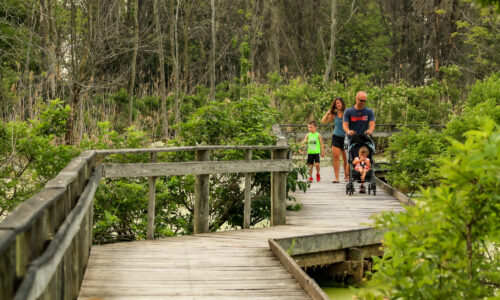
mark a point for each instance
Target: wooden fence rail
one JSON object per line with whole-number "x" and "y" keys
{"x": 45, "y": 242}
{"x": 27, "y": 232}
{"x": 298, "y": 131}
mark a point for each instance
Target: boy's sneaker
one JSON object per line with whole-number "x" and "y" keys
{"x": 318, "y": 178}
{"x": 362, "y": 189}
{"x": 310, "y": 179}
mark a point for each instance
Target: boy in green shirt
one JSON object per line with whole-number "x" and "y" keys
{"x": 314, "y": 149}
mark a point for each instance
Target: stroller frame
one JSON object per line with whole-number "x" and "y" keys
{"x": 352, "y": 145}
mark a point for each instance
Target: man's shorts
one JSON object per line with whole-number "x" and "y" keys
{"x": 312, "y": 158}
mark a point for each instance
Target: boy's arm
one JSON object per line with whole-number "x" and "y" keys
{"x": 322, "y": 146}
{"x": 368, "y": 164}
{"x": 305, "y": 139}
{"x": 303, "y": 142}
{"x": 355, "y": 161}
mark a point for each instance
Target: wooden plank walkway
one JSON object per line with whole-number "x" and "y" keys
{"x": 226, "y": 265}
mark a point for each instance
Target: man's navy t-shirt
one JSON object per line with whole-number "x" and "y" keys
{"x": 358, "y": 119}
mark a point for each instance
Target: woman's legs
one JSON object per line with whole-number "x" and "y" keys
{"x": 346, "y": 166}
{"x": 336, "y": 161}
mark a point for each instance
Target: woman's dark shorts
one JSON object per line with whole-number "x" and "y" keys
{"x": 312, "y": 158}
{"x": 338, "y": 141}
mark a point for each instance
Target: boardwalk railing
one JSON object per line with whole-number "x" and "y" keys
{"x": 45, "y": 242}
{"x": 382, "y": 130}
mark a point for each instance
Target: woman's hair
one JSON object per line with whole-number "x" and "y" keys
{"x": 364, "y": 150}
{"x": 333, "y": 109}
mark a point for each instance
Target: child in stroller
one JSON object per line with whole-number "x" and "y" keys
{"x": 360, "y": 163}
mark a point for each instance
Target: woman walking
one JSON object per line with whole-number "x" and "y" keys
{"x": 336, "y": 114}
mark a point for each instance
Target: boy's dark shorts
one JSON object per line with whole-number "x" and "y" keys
{"x": 312, "y": 158}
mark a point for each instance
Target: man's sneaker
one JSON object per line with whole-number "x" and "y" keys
{"x": 310, "y": 179}
{"x": 318, "y": 178}
{"x": 362, "y": 189}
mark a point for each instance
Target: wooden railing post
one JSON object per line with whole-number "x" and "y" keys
{"x": 201, "y": 196}
{"x": 150, "y": 231}
{"x": 278, "y": 192}
{"x": 248, "y": 187}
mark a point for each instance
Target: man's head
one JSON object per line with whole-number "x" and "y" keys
{"x": 312, "y": 126}
{"x": 360, "y": 99}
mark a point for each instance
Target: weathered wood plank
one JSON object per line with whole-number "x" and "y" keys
{"x": 42, "y": 269}
{"x": 203, "y": 264}
{"x": 306, "y": 282}
{"x": 201, "y": 195}
{"x": 7, "y": 262}
{"x": 331, "y": 241}
{"x": 278, "y": 191}
{"x": 395, "y": 193}
{"x": 248, "y": 187}
{"x": 327, "y": 134}
{"x": 150, "y": 230}
{"x": 30, "y": 210}
{"x": 101, "y": 153}
{"x": 196, "y": 168}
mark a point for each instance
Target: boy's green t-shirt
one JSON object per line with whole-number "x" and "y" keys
{"x": 313, "y": 144}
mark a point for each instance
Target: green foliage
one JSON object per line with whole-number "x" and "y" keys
{"x": 241, "y": 122}
{"x": 447, "y": 246}
{"x": 30, "y": 154}
{"x": 414, "y": 153}
{"x": 485, "y": 91}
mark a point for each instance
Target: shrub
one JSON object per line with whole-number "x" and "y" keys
{"x": 447, "y": 246}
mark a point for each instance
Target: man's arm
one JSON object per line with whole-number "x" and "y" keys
{"x": 345, "y": 125}
{"x": 371, "y": 128}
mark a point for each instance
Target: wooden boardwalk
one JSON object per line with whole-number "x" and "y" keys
{"x": 226, "y": 265}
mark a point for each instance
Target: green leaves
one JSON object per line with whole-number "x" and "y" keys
{"x": 30, "y": 156}
{"x": 447, "y": 246}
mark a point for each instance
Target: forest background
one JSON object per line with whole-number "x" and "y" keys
{"x": 88, "y": 74}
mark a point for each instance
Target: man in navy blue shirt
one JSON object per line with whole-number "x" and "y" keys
{"x": 359, "y": 119}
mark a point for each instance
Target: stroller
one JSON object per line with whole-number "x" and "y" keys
{"x": 352, "y": 145}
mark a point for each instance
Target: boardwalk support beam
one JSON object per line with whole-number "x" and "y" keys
{"x": 248, "y": 187}
{"x": 278, "y": 192}
{"x": 150, "y": 231}
{"x": 201, "y": 196}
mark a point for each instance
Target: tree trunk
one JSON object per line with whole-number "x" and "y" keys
{"x": 275, "y": 56}
{"x": 329, "y": 65}
{"x": 175, "y": 57}
{"x": 212, "y": 54}
{"x": 185, "y": 69}
{"x": 134, "y": 62}
{"x": 48, "y": 45}
{"x": 436, "y": 38}
{"x": 161, "y": 58}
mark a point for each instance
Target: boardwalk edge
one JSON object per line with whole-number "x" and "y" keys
{"x": 307, "y": 283}
{"x": 395, "y": 193}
